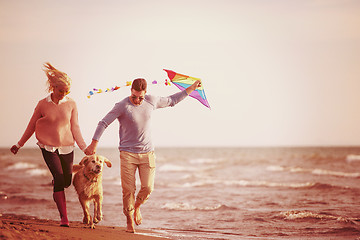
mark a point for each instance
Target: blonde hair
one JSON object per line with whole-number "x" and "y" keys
{"x": 55, "y": 77}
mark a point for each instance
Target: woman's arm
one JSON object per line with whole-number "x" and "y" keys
{"x": 30, "y": 129}
{"x": 75, "y": 129}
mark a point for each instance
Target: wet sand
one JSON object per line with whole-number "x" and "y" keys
{"x": 26, "y": 227}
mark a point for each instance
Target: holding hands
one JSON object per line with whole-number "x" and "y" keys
{"x": 91, "y": 149}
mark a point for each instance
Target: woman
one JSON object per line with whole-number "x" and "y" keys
{"x": 55, "y": 123}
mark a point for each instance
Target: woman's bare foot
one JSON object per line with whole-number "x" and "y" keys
{"x": 130, "y": 224}
{"x": 137, "y": 216}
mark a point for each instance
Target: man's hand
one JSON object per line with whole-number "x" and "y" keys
{"x": 195, "y": 85}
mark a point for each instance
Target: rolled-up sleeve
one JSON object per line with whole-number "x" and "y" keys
{"x": 172, "y": 100}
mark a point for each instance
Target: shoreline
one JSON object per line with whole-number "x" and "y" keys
{"x": 13, "y": 226}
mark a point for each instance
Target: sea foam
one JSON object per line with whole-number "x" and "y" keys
{"x": 181, "y": 206}
{"x": 38, "y": 172}
{"x": 294, "y": 214}
{"x": 352, "y": 158}
{"x": 315, "y": 171}
{"x": 29, "y": 168}
{"x": 243, "y": 183}
{"x": 175, "y": 168}
{"x": 21, "y": 165}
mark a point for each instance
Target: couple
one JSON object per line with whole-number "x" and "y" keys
{"x": 55, "y": 123}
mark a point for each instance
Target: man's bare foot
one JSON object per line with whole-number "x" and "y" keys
{"x": 130, "y": 224}
{"x": 137, "y": 216}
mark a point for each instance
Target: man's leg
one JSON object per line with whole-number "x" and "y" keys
{"x": 147, "y": 176}
{"x": 128, "y": 184}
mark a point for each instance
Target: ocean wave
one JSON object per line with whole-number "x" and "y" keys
{"x": 247, "y": 183}
{"x": 189, "y": 207}
{"x": 38, "y": 172}
{"x": 3, "y": 196}
{"x": 352, "y": 158}
{"x": 315, "y": 171}
{"x": 21, "y": 166}
{"x": 344, "y": 230}
{"x": 270, "y": 184}
{"x": 29, "y": 168}
{"x": 205, "y": 160}
{"x": 324, "y": 186}
{"x": 244, "y": 183}
{"x": 335, "y": 173}
{"x": 294, "y": 215}
{"x": 175, "y": 168}
{"x": 23, "y": 200}
{"x": 10, "y": 158}
{"x": 169, "y": 167}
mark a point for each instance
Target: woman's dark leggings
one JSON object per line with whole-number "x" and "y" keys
{"x": 60, "y": 166}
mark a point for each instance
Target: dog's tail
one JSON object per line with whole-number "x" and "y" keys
{"x": 77, "y": 167}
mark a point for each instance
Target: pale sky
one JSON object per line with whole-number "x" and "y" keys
{"x": 276, "y": 73}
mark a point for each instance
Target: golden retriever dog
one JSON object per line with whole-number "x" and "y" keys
{"x": 88, "y": 185}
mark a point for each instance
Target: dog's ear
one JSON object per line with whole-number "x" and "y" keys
{"x": 107, "y": 161}
{"x": 77, "y": 167}
{"x": 84, "y": 160}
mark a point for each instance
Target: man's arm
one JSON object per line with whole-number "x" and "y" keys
{"x": 192, "y": 88}
{"x": 102, "y": 125}
{"x": 170, "y": 101}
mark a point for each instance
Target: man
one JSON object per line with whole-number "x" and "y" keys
{"x": 136, "y": 147}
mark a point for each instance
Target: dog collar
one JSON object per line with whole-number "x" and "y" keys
{"x": 91, "y": 180}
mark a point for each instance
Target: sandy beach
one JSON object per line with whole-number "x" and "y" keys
{"x": 27, "y": 227}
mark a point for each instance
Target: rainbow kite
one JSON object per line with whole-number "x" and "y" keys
{"x": 183, "y": 82}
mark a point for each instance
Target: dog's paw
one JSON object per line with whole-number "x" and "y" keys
{"x": 92, "y": 226}
{"x": 97, "y": 219}
{"x": 86, "y": 220}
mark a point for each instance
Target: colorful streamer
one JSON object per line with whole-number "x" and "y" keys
{"x": 128, "y": 83}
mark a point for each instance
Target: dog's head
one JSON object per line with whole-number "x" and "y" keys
{"x": 94, "y": 163}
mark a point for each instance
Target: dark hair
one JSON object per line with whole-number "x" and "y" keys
{"x": 139, "y": 84}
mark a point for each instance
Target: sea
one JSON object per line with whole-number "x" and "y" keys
{"x": 212, "y": 193}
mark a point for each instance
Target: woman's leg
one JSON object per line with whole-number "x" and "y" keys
{"x": 54, "y": 164}
{"x": 67, "y": 165}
